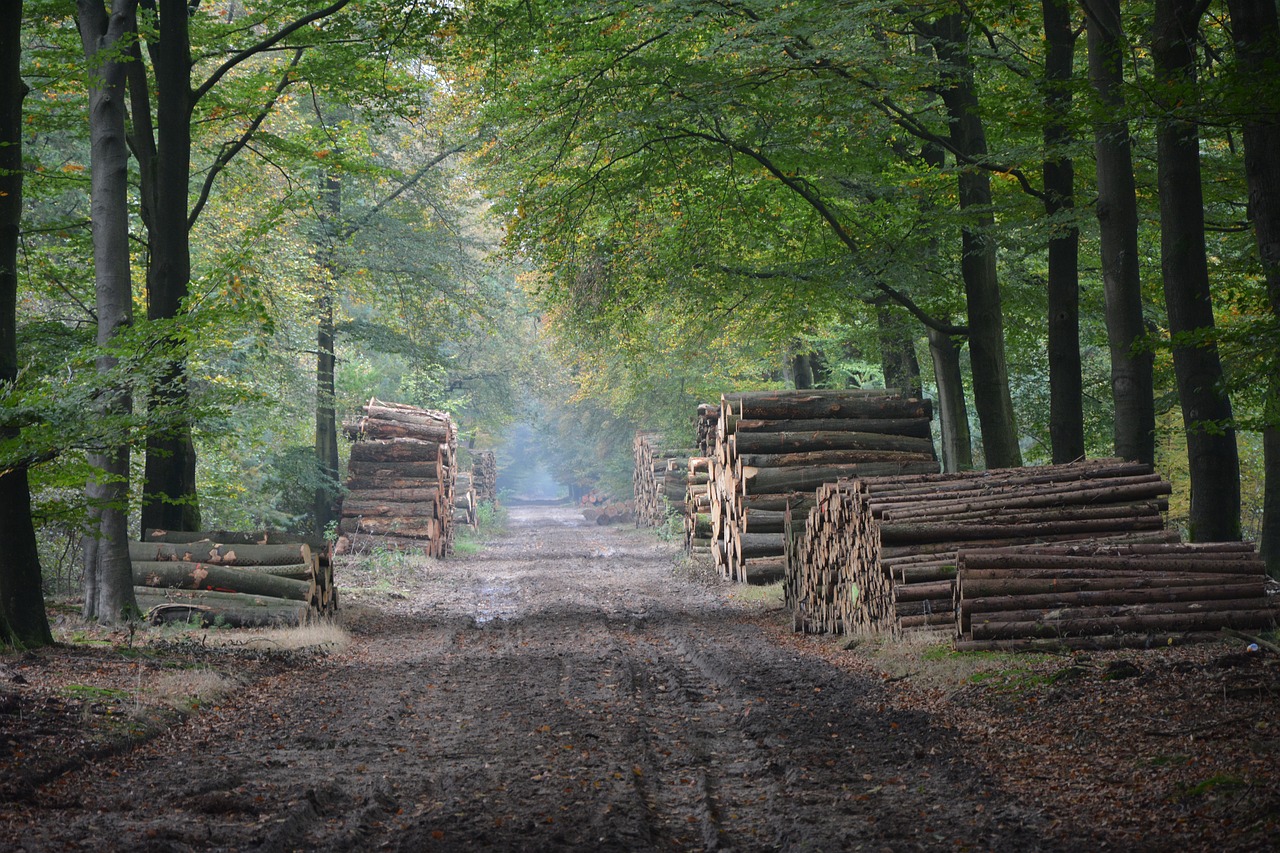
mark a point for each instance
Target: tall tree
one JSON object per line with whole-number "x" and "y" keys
{"x": 1132, "y": 366}
{"x": 23, "y": 622}
{"x": 1206, "y": 408}
{"x": 106, "y": 36}
{"x": 1066, "y": 406}
{"x": 1257, "y": 41}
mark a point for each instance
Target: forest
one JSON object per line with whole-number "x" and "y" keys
{"x": 226, "y": 225}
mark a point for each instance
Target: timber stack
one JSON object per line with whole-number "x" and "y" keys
{"x": 697, "y": 507}
{"x": 653, "y": 491}
{"x": 464, "y": 502}
{"x": 232, "y": 579}
{"x": 879, "y": 553}
{"x": 484, "y": 476}
{"x": 400, "y": 480}
{"x": 774, "y": 448}
{"x": 601, "y": 508}
{"x": 1108, "y": 596}
{"x": 705, "y": 424}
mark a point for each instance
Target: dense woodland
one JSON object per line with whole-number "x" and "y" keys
{"x": 225, "y": 225}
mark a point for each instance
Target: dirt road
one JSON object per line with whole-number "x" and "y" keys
{"x": 567, "y": 688}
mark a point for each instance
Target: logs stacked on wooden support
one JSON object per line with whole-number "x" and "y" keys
{"x": 880, "y": 553}
{"x": 774, "y": 448}
{"x": 653, "y": 491}
{"x": 1085, "y": 596}
{"x": 400, "y": 480}
{"x": 484, "y": 476}
{"x": 233, "y": 579}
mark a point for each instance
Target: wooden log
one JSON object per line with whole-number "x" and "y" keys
{"x": 295, "y": 571}
{"x": 235, "y": 537}
{"x": 220, "y": 554}
{"x": 816, "y": 458}
{"x": 395, "y": 450}
{"x": 363, "y": 484}
{"x": 761, "y": 571}
{"x": 390, "y": 469}
{"x": 213, "y": 608}
{"x": 207, "y": 576}
{"x": 408, "y": 495}
{"x": 408, "y": 528}
{"x": 900, "y": 534}
{"x": 797, "y": 442}
{"x": 917, "y": 427}
{"x": 1107, "y": 602}
{"x": 355, "y": 505}
{"x": 975, "y": 588}
{"x": 1109, "y": 641}
{"x": 781, "y": 405}
{"x": 1164, "y": 622}
{"x": 787, "y": 480}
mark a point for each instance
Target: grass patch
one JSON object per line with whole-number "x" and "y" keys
{"x": 768, "y": 594}
{"x": 188, "y": 690}
{"x": 94, "y": 693}
{"x": 321, "y": 636}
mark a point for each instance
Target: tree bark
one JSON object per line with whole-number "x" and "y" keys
{"x": 327, "y": 487}
{"x": 978, "y": 249}
{"x": 1206, "y": 408}
{"x": 1257, "y": 34}
{"x": 212, "y": 577}
{"x": 953, "y": 414}
{"x": 23, "y": 622}
{"x": 1132, "y": 381}
{"x": 898, "y": 351}
{"x": 1066, "y": 394}
{"x": 108, "y": 575}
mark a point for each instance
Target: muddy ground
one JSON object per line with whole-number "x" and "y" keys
{"x": 572, "y": 687}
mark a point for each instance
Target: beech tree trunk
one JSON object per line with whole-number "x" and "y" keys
{"x": 327, "y": 486}
{"x": 1206, "y": 408}
{"x": 1066, "y": 394}
{"x": 898, "y": 351}
{"x": 953, "y": 414}
{"x": 108, "y": 574}
{"x": 23, "y": 623}
{"x": 978, "y": 249}
{"x": 1257, "y": 34}
{"x": 1132, "y": 382}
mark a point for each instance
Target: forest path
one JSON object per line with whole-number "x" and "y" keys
{"x": 567, "y": 688}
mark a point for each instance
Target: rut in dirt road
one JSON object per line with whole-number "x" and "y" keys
{"x": 568, "y": 688}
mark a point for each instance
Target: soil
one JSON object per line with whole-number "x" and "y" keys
{"x": 574, "y": 687}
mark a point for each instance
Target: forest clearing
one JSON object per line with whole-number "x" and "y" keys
{"x": 576, "y": 687}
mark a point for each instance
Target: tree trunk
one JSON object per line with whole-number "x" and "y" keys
{"x": 1132, "y": 382}
{"x": 327, "y": 487}
{"x": 802, "y": 371}
{"x": 1066, "y": 407}
{"x": 1206, "y": 409}
{"x": 898, "y": 351}
{"x": 23, "y": 623}
{"x": 164, "y": 159}
{"x": 978, "y": 250}
{"x": 108, "y": 575}
{"x": 1257, "y": 33}
{"x": 953, "y": 414}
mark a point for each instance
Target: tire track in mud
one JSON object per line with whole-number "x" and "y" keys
{"x": 565, "y": 689}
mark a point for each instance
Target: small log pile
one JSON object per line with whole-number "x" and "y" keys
{"x": 654, "y": 493}
{"x": 484, "y": 476}
{"x": 697, "y": 507}
{"x": 708, "y": 417}
{"x": 464, "y": 502}
{"x": 1086, "y": 596}
{"x": 600, "y": 508}
{"x": 774, "y": 448}
{"x": 400, "y": 480}
{"x": 879, "y": 553}
{"x": 233, "y": 579}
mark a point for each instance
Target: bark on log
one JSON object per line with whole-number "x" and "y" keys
{"x": 212, "y": 608}
{"x": 357, "y": 506}
{"x": 799, "y": 442}
{"x": 914, "y": 427}
{"x": 395, "y": 450}
{"x": 785, "y": 406}
{"x": 220, "y": 554}
{"x": 206, "y": 576}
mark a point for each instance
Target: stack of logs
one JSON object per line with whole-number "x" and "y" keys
{"x": 697, "y": 507}
{"x": 1089, "y": 596}
{"x": 774, "y": 448}
{"x": 654, "y": 492}
{"x": 705, "y": 424}
{"x": 484, "y": 476}
{"x": 400, "y": 480}
{"x": 600, "y": 508}
{"x": 230, "y": 578}
{"x": 464, "y": 501}
{"x": 879, "y": 553}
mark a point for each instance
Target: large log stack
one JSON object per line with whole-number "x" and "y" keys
{"x": 400, "y": 480}
{"x": 879, "y": 553}
{"x": 233, "y": 579}
{"x": 774, "y": 448}
{"x": 708, "y": 417}
{"x": 1085, "y": 596}
{"x": 697, "y": 507}
{"x": 484, "y": 476}
{"x": 649, "y": 481}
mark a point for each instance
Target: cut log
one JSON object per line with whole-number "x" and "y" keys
{"x": 798, "y": 442}
{"x": 916, "y": 427}
{"x": 784, "y": 405}
{"x": 220, "y": 554}
{"x": 213, "y": 608}
{"x": 207, "y": 576}
{"x": 395, "y": 450}
{"x": 354, "y": 506}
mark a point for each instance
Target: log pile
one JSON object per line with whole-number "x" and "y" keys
{"x": 774, "y": 448}
{"x": 600, "y": 508}
{"x": 654, "y": 494}
{"x": 232, "y": 579}
{"x": 705, "y": 424}
{"x": 484, "y": 476}
{"x": 400, "y": 480}
{"x": 465, "y": 502}
{"x": 879, "y": 553}
{"x": 1085, "y": 596}
{"x": 697, "y": 507}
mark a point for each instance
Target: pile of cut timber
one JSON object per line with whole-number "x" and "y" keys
{"x": 708, "y": 417}
{"x": 234, "y": 579}
{"x": 1038, "y": 596}
{"x": 654, "y": 493}
{"x": 774, "y": 448}
{"x": 697, "y": 507}
{"x": 879, "y": 553}
{"x": 464, "y": 502}
{"x": 600, "y": 508}
{"x": 484, "y": 476}
{"x": 400, "y": 480}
